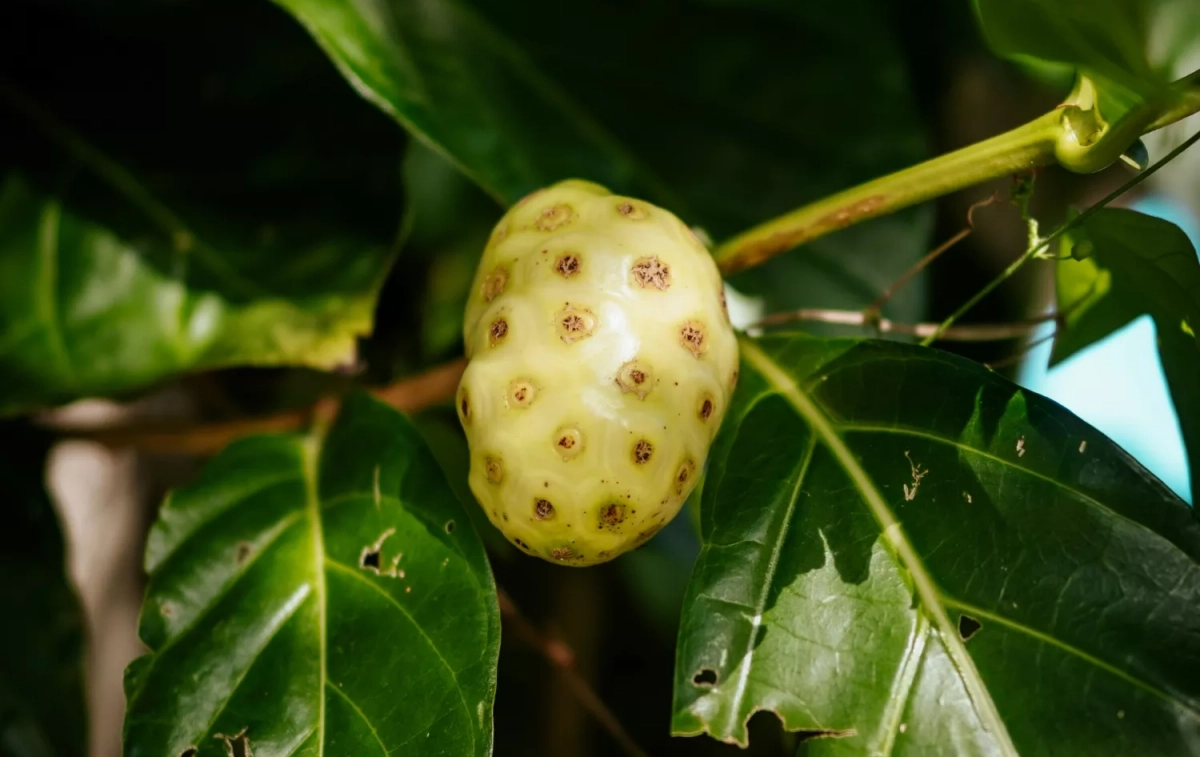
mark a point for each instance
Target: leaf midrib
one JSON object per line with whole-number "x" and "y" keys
{"x": 893, "y": 535}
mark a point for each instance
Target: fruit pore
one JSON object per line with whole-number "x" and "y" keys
{"x": 601, "y": 361}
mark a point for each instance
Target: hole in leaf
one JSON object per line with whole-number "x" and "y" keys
{"x": 189, "y": 752}
{"x": 968, "y": 627}
{"x": 705, "y": 678}
{"x": 370, "y": 560}
{"x": 449, "y": 526}
{"x": 237, "y": 745}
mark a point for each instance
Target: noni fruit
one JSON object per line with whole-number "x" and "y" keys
{"x": 601, "y": 360}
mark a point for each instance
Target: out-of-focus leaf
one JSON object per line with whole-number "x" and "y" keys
{"x": 41, "y": 638}
{"x": 725, "y": 114}
{"x": 317, "y": 594}
{"x": 165, "y": 209}
{"x": 1130, "y": 48}
{"x": 1121, "y": 264}
{"x": 909, "y": 555}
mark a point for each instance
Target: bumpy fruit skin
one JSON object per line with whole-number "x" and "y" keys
{"x": 601, "y": 360}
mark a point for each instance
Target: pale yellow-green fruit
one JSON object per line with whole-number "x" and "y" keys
{"x": 601, "y": 361}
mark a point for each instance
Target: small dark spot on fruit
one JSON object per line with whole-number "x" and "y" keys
{"x": 494, "y": 284}
{"x": 683, "y": 475}
{"x": 449, "y": 526}
{"x": 706, "y": 408}
{"x": 495, "y": 472}
{"x": 542, "y": 509}
{"x": 642, "y": 452}
{"x": 631, "y": 211}
{"x": 705, "y": 678}
{"x": 602, "y": 555}
{"x": 567, "y": 265}
{"x": 575, "y": 323}
{"x": 691, "y": 336}
{"x": 553, "y": 217}
{"x": 521, "y": 393}
{"x": 633, "y": 377}
{"x": 645, "y": 536}
{"x": 498, "y": 331}
{"x": 651, "y": 272}
{"x": 612, "y": 515}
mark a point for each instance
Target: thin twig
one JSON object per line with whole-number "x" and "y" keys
{"x": 1045, "y": 243}
{"x": 563, "y": 659}
{"x": 407, "y": 395}
{"x": 981, "y": 332}
{"x": 933, "y": 255}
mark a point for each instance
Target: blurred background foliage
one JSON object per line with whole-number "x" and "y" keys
{"x": 133, "y": 115}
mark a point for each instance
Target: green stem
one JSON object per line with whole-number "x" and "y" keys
{"x": 1033, "y": 250}
{"x": 1074, "y": 135}
{"x": 1021, "y": 149}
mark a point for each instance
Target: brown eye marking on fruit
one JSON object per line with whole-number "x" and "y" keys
{"x": 498, "y": 331}
{"x": 651, "y": 272}
{"x": 724, "y": 304}
{"x": 612, "y": 515}
{"x": 521, "y": 393}
{"x": 543, "y": 510}
{"x": 568, "y": 440}
{"x": 631, "y": 211}
{"x": 706, "y": 408}
{"x": 635, "y": 377}
{"x": 691, "y": 336}
{"x": 553, "y": 217}
{"x": 494, "y": 284}
{"x": 495, "y": 471}
{"x": 567, "y": 266}
{"x": 562, "y": 553}
{"x": 464, "y": 405}
{"x": 683, "y": 475}
{"x": 642, "y": 452}
{"x": 574, "y": 323}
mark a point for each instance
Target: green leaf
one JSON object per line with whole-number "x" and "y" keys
{"x": 41, "y": 639}
{"x": 1133, "y": 265}
{"x": 317, "y": 594}
{"x": 1129, "y": 47}
{"x": 909, "y": 555}
{"x": 725, "y": 115}
{"x": 196, "y": 213}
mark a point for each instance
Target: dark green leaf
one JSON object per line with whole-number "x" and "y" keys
{"x": 41, "y": 638}
{"x": 198, "y": 211}
{"x": 727, "y": 115}
{"x": 1136, "y": 265}
{"x": 317, "y": 594}
{"x": 1128, "y": 47}
{"x": 912, "y": 556}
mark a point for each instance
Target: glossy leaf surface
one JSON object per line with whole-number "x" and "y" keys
{"x": 910, "y": 555}
{"x": 197, "y": 212}
{"x": 1129, "y": 47}
{"x": 726, "y": 114}
{"x": 317, "y": 595}
{"x": 1127, "y": 264}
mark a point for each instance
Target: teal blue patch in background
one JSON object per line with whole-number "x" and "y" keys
{"x": 1117, "y": 384}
